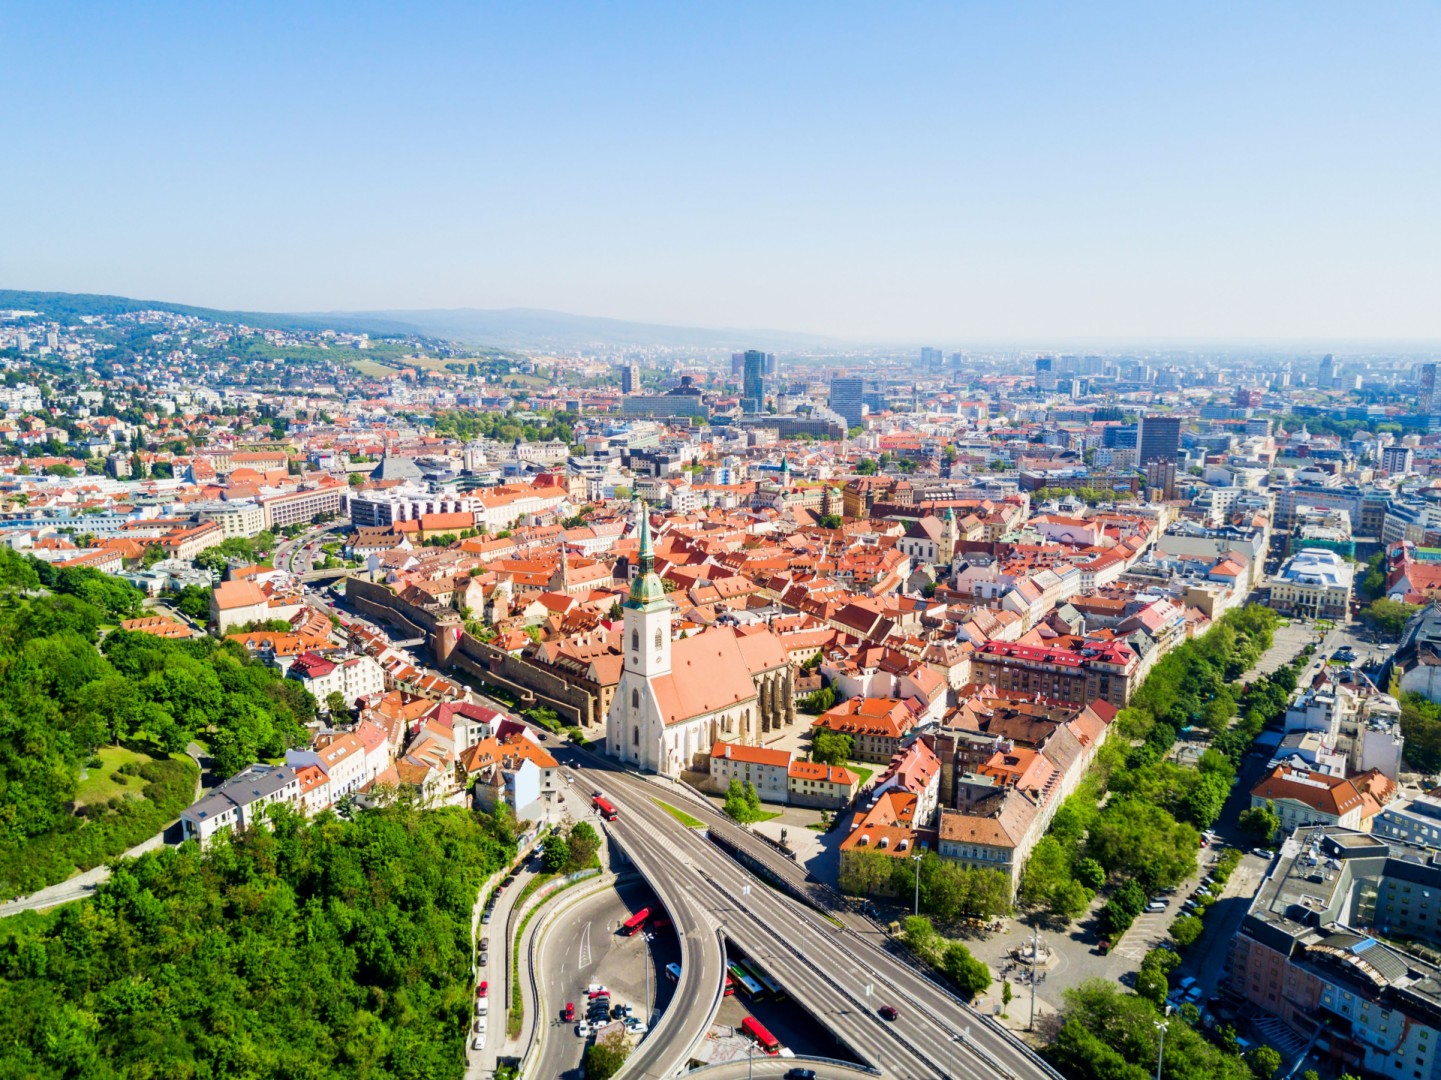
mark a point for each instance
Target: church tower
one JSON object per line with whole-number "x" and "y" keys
{"x": 636, "y": 728}
{"x": 948, "y": 537}
{"x": 647, "y": 615}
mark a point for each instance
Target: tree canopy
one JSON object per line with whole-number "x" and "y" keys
{"x": 315, "y": 949}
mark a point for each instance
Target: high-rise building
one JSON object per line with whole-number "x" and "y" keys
{"x": 1045, "y": 363}
{"x": 1397, "y": 460}
{"x": 1426, "y": 398}
{"x": 630, "y": 378}
{"x": 753, "y": 386}
{"x": 848, "y": 400}
{"x": 1326, "y": 374}
{"x": 931, "y": 358}
{"x": 1161, "y": 477}
{"x": 1159, "y": 439}
{"x": 738, "y": 364}
{"x": 1248, "y": 398}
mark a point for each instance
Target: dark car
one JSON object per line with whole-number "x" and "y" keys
{"x": 484, "y": 944}
{"x": 888, "y": 1012}
{"x": 800, "y": 1074}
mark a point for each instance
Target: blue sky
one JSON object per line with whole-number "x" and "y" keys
{"x": 907, "y": 171}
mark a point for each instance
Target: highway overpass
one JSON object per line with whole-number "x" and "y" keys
{"x": 841, "y": 975}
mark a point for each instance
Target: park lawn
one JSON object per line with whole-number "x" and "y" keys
{"x": 681, "y": 816}
{"x": 98, "y": 786}
{"x": 863, "y": 771}
{"x": 765, "y": 815}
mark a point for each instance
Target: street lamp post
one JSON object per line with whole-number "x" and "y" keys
{"x": 1161, "y": 1025}
{"x": 917, "y": 860}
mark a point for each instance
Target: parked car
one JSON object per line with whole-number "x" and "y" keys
{"x": 1156, "y": 905}
{"x": 595, "y": 990}
{"x": 583, "y": 1029}
{"x": 635, "y": 1025}
{"x": 888, "y": 1012}
{"x": 478, "y": 1043}
{"x": 482, "y": 989}
{"x": 484, "y": 944}
{"x": 1264, "y": 853}
{"x": 484, "y": 959}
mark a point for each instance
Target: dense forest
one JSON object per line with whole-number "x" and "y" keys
{"x": 93, "y": 732}
{"x": 309, "y": 949}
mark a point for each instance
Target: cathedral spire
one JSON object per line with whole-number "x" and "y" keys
{"x": 646, "y": 591}
{"x": 647, "y": 551}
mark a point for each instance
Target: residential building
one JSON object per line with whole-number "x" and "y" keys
{"x": 1323, "y": 948}
{"x": 1302, "y": 797}
{"x": 768, "y": 770}
{"x": 239, "y": 802}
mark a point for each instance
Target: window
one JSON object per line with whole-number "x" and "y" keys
{"x": 657, "y": 637}
{"x": 635, "y": 736}
{"x": 635, "y": 699}
{"x": 635, "y": 640}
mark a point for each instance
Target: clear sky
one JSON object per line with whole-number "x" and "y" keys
{"x": 898, "y": 171}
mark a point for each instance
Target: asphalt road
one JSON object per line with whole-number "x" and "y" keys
{"x": 769, "y": 1066}
{"x": 840, "y": 975}
{"x": 582, "y": 947}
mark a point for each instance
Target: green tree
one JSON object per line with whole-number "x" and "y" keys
{"x": 1186, "y": 930}
{"x": 604, "y": 1058}
{"x": 739, "y": 805}
{"x": 970, "y": 975}
{"x": 832, "y": 747}
{"x": 1388, "y": 617}
{"x": 818, "y": 701}
{"x": 1090, "y": 873}
{"x": 1152, "y": 985}
{"x": 1070, "y": 900}
{"x": 1047, "y": 870}
{"x": 336, "y": 704}
{"x": 1421, "y": 728}
{"x": 555, "y": 853}
{"x": 1260, "y": 823}
{"x": 1264, "y": 1061}
{"x": 583, "y": 842}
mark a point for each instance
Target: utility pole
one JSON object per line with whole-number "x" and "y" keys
{"x": 917, "y": 860}
{"x": 1035, "y": 958}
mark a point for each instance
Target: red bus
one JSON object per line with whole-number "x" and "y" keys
{"x": 635, "y": 922}
{"x": 757, "y": 1031}
{"x": 604, "y": 808}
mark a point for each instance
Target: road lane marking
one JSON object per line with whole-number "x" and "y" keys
{"x": 583, "y": 960}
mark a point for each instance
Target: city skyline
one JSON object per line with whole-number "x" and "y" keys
{"x": 937, "y": 173}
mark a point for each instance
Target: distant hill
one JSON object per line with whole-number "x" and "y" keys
{"x": 533, "y": 328}
{"x": 66, "y": 307}
{"x": 513, "y": 328}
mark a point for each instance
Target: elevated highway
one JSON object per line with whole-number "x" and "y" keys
{"x": 839, "y": 972}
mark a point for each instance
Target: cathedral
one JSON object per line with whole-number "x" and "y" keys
{"x": 676, "y": 699}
